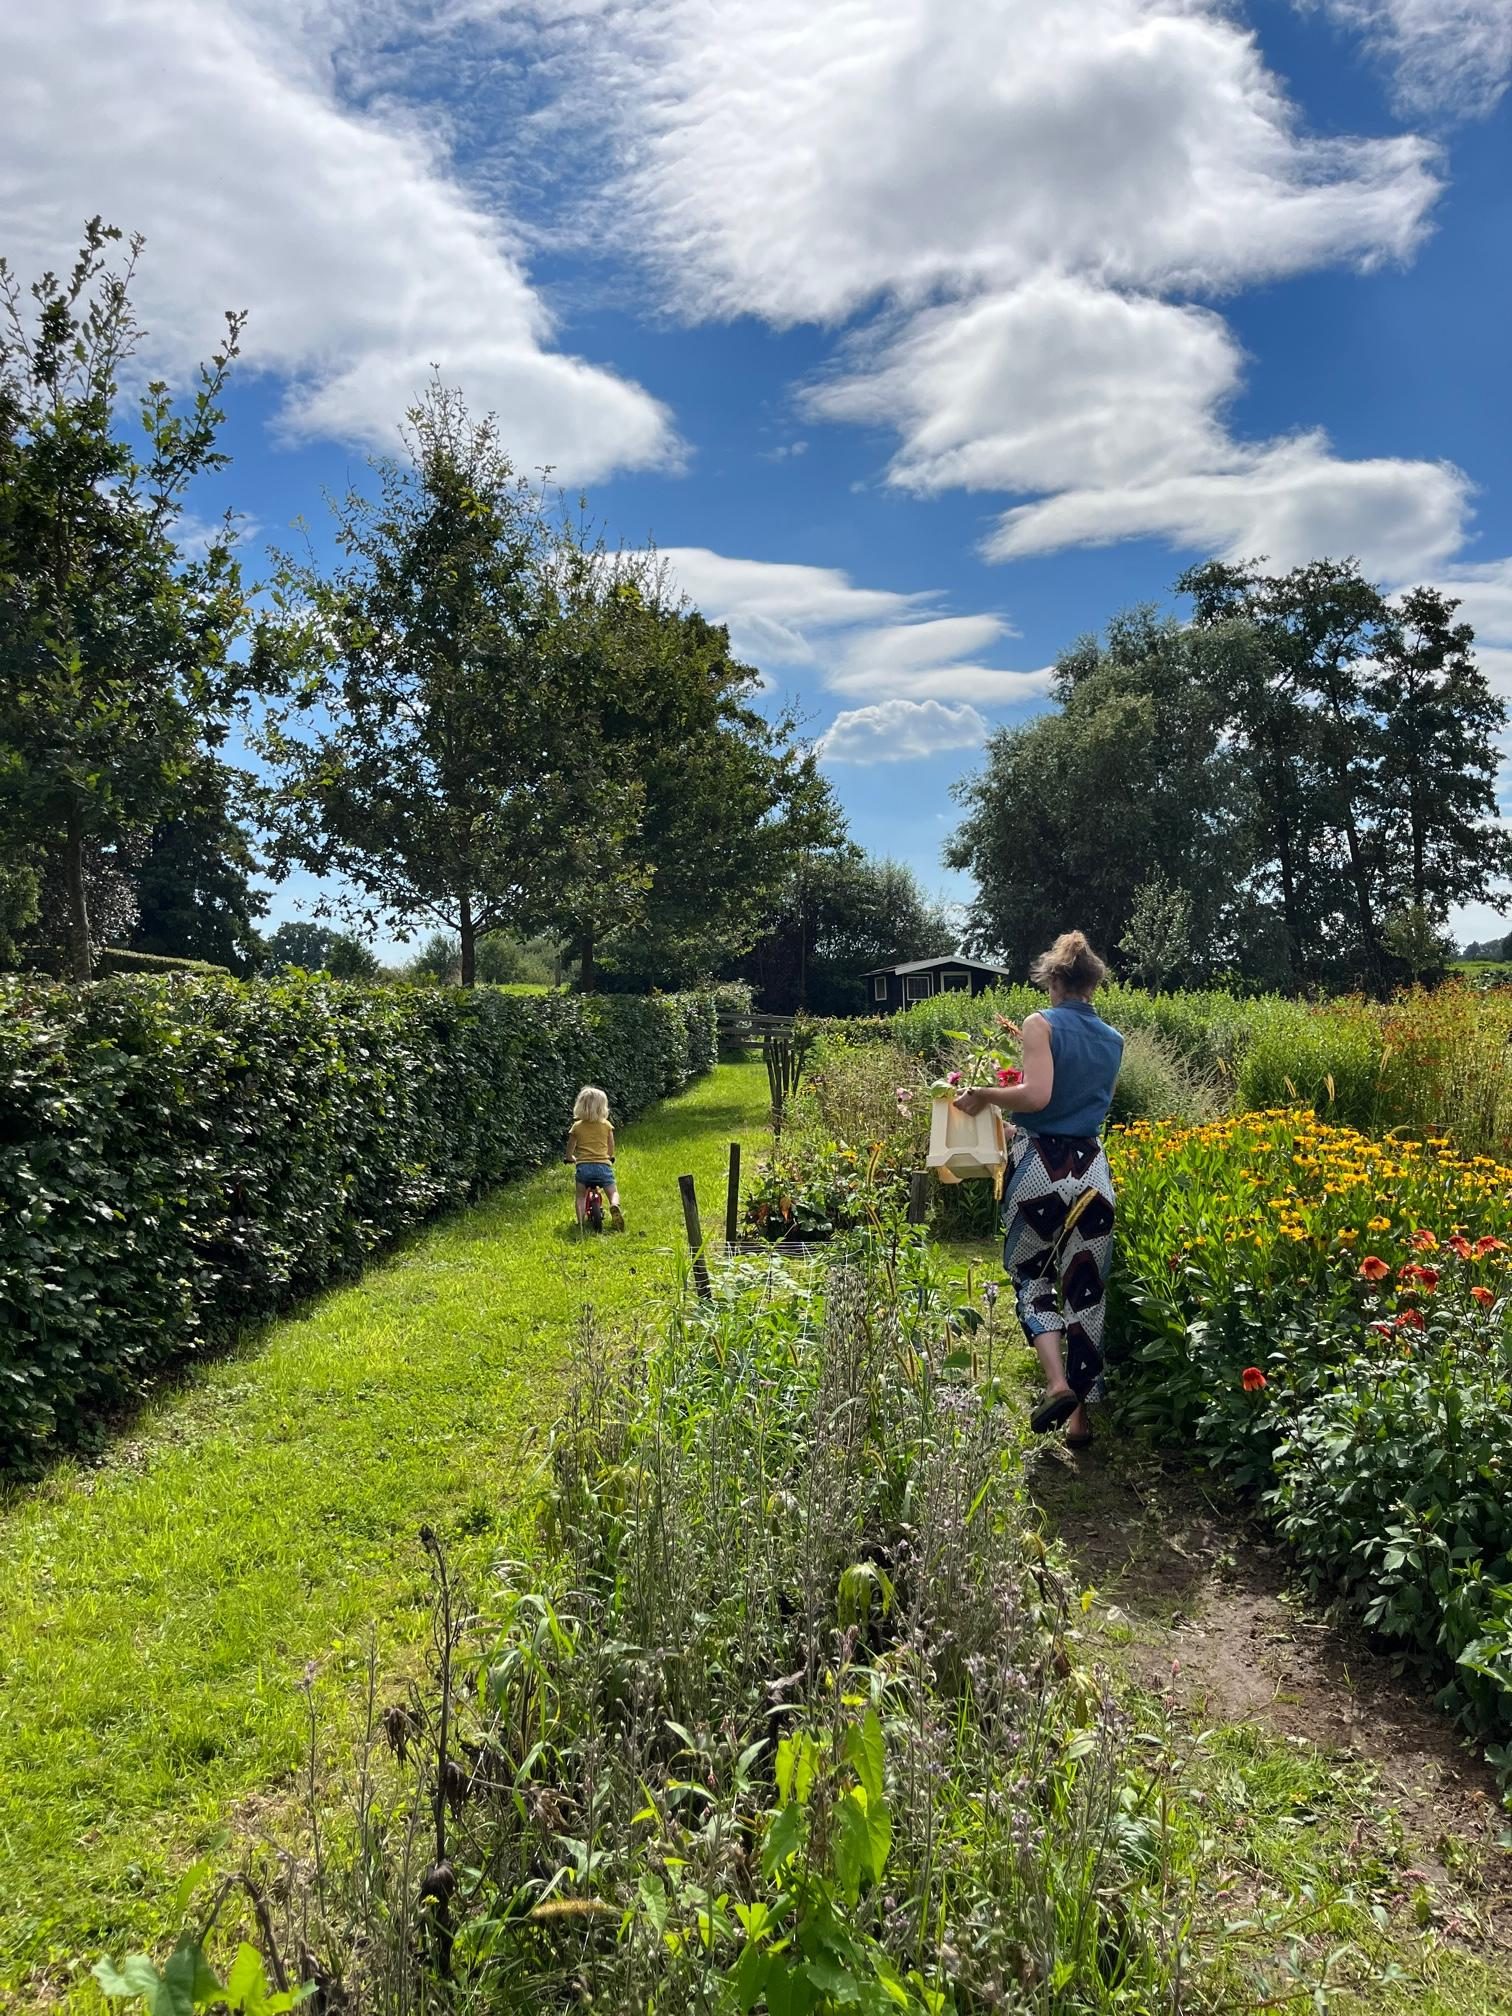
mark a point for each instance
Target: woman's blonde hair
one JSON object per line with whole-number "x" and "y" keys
{"x": 1072, "y": 962}
{"x": 591, "y": 1104}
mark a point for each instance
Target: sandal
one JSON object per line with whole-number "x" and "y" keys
{"x": 1053, "y": 1412}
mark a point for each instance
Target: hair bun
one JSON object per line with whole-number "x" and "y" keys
{"x": 1072, "y": 962}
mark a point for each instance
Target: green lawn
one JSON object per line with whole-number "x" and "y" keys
{"x": 160, "y": 1610}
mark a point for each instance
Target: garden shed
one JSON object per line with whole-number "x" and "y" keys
{"x": 893, "y": 987}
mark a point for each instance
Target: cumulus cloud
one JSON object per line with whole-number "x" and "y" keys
{"x": 798, "y": 162}
{"x": 864, "y": 642}
{"x": 1054, "y": 383}
{"x": 219, "y": 134}
{"x": 1484, "y": 592}
{"x": 1290, "y": 502}
{"x": 1016, "y": 194}
{"x": 897, "y": 731}
{"x": 1452, "y": 56}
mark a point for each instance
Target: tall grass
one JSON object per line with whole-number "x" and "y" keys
{"x": 1435, "y": 1061}
{"x": 796, "y": 1716}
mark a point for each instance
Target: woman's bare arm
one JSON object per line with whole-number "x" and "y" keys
{"x": 1033, "y": 1096}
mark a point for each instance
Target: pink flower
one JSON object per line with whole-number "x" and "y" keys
{"x": 1009, "y": 1077}
{"x": 954, "y": 1078}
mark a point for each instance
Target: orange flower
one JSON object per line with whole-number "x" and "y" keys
{"x": 1373, "y": 1268}
{"x": 1410, "y": 1319}
{"x": 1413, "y": 1276}
{"x": 1483, "y": 1296}
{"x": 1485, "y": 1246}
{"x": 1460, "y": 1246}
{"x": 1252, "y": 1379}
{"x": 1424, "y": 1240}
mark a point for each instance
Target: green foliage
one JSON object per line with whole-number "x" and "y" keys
{"x": 839, "y": 914}
{"x": 1129, "y": 772}
{"x": 1155, "y": 1083}
{"x": 1304, "y": 760}
{"x": 116, "y": 668}
{"x": 192, "y": 878}
{"x": 316, "y": 948}
{"x": 1328, "y": 1318}
{"x": 1158, "y": 943}
{"x": 115, "y": 961}
{"x": 789, "y": 1714}
{"x": 177, "y": 1157}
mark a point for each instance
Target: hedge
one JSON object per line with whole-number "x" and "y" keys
{"x": 180, "y": 1155}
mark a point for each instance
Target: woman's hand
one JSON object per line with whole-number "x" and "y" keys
{"x": 971, "y": 1102}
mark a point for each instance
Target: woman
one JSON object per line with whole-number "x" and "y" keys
{"x": 1058, "y": 1206}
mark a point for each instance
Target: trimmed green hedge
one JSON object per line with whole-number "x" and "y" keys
{"x": 115, "y": 959}
{"x": 179, "y": 1155}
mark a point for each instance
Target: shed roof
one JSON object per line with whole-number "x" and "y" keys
{"x": 928, "y": 966}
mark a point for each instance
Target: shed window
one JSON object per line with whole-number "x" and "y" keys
{"x": 954, "y": 983}
{"x": 917, "y": 987}
{"x": 879, "y": 987}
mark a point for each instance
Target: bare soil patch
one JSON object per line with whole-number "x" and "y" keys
{"x": 1214, "y": 1618}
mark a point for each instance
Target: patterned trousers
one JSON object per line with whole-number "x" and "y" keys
{"x": 1057, "y": 1249}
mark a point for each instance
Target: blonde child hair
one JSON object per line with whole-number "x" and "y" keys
{"x": 591, "y": 1104}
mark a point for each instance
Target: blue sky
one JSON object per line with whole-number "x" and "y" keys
{"x": 922, "y": 335}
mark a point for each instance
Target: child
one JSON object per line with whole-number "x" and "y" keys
{"x": 591, "y": 1145}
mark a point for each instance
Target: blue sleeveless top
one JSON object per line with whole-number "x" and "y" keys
{"x": 1086, "y": 1054}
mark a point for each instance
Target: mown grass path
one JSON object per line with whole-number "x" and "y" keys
{"x": 159, "y": 1612}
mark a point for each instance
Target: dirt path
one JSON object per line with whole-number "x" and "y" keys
{"x": 1184, "y": 1581}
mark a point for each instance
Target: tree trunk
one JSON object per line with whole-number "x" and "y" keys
{"x": 1362, "y": 900}
{"x": 80, "y": 950}
{"x": 1419, "y": 845}
{"x": 1294, "y": 949}
{"x": 587, "y": 977}
{"x": 468, "y": 933}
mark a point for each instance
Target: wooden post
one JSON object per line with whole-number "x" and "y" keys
{"x": 732, "y": 1197}
{"x": 695, "y": 1237}
{"x": 918, "y": 1197}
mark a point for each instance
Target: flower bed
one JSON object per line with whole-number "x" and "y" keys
{"x": 1329, "y": 1318}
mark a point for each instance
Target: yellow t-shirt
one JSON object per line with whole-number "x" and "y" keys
{"x": 591, "y": 1141}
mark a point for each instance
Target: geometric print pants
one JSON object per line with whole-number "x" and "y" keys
{"x": 1060, "y": 1275}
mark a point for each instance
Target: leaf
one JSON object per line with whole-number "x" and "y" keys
{"x": 782, "y": 1838}
{"x": 852, "y": 1844}
{"x": 865, "y": 1752}
{"x": 247, "y": 1982}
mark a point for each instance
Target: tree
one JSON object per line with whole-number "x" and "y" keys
{"x": 1440, "y": 723}
{"x": 687, "y": 803}
{"x": 1416, "y": 941}
{"x": 1076, "y": 808}
{"x": 842, "y": 913}
{"x": 316, "y": 948}
{"x": 194, "y": 893}
{"x": 1368, "y": 735}
{"x": 1158, "y": 942}
{"x": 435, "y": 743}
{"x": 115, "y": 661}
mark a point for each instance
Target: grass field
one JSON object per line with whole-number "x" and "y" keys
{"x": 259, "y": 1524}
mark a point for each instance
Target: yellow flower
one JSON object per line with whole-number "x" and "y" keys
{"x": 1378, "y": 1225}
{"x": 1348, "y": 1236}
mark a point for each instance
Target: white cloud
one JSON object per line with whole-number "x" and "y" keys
{"x": 1484, "y": 592}
{"x": 216, "y": 132}
{"x": 1114, "y": 405}
{"x": 1017, "y": 191}
{"x": 1059, "y": 382}
{"x": 865, "y": 642}
{"x": 1290, "y": 501}
{"x": 798, "y": 162}
{"x": 1451, "y": 56}
{"x": 897, "y": 731}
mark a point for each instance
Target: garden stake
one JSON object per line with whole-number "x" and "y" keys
{"x": 695, "y": 1237}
